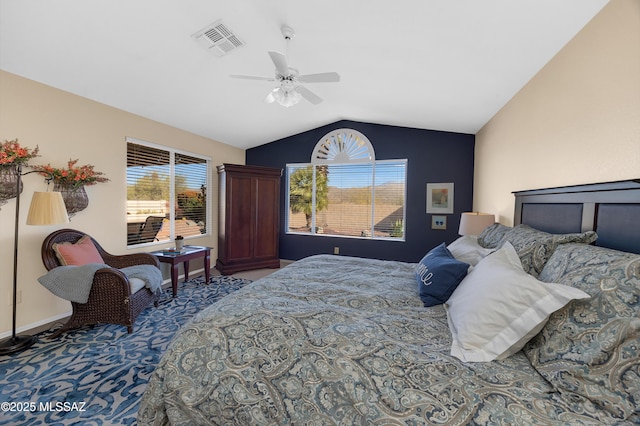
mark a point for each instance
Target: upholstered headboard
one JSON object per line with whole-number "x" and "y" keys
{"x": 611, "y": 209}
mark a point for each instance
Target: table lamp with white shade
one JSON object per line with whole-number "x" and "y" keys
{"x": 473, "y": 223}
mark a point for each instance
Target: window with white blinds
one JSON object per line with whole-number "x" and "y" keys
{"x": 167, "y": 191}
{"x": 365, "y": 200}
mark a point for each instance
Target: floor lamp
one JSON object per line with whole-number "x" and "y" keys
{"x": 47, "y": 208}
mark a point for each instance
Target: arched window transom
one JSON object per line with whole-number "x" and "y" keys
{"x": 343, "y": 146}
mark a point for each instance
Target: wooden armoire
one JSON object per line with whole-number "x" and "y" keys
{"x": 249, "y": 218}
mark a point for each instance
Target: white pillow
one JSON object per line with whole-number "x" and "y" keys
{"x": 466, "y": 249}
{"x": 498, "y": 307}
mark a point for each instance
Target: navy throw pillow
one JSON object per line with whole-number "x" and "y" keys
{"x": 438, "y": 274}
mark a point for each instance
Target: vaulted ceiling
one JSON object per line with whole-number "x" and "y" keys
{"x": 434, "y": 64}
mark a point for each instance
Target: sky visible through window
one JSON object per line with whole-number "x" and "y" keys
{"x": 384, "y": 174}
{"x": 192, "y": 172}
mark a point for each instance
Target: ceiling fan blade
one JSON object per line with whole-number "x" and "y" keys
{"x": 252, "y": 77}
{"x": 308, "y": 95}
{"x": 323, "y": 77}
{"x": 280, "y": 62}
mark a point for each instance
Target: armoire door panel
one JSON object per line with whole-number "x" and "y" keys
{"x": 267, "y": 218}
{"x": 240, "y": 225}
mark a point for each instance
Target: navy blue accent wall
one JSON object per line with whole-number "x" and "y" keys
{"x": 433, "y": 157}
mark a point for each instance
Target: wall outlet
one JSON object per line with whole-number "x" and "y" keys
{"x": 336, "y": 250}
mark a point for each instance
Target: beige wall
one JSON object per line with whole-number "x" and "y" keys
{"x": 65, "y": 127}
{"x": 577, "y": 121}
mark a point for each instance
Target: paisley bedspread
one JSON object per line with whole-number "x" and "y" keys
{"x": 333, "y": 340}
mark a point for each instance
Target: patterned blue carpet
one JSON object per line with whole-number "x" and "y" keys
{"x": 97, "y": 375}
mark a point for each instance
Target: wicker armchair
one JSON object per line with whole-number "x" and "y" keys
{"x": 110, "y": 300}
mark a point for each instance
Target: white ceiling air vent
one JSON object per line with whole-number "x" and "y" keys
{"x": 217, "y": 38}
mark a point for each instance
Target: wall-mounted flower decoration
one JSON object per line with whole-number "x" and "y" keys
{"x": 12, "y": 155}
{"x": 70, "y": 181}
{"x": 72, "y": 175}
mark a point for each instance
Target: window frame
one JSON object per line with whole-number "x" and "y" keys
{"x": 172, "y": 194}
{"x": 312, "y": 231}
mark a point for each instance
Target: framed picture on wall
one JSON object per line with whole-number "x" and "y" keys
{"x": 438, "y": 222}
{"x": 440, "y": 198}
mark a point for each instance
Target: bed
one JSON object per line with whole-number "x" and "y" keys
{"x": 340, "y": 340}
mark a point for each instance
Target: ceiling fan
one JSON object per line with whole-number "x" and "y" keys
{"x": 289, "y": 90}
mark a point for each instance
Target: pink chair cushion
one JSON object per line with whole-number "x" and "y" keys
{"x": 80, "y": 253}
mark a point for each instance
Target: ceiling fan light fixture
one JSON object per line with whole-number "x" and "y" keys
{"x": 286, "y": 98}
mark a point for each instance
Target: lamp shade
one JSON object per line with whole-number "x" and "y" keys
{"x": 288, "y": 98}
{"x": 473, "y": 223}
{"x": 47, "y": 208}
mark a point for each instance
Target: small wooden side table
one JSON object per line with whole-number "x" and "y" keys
{"x": 187, "y": 253}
